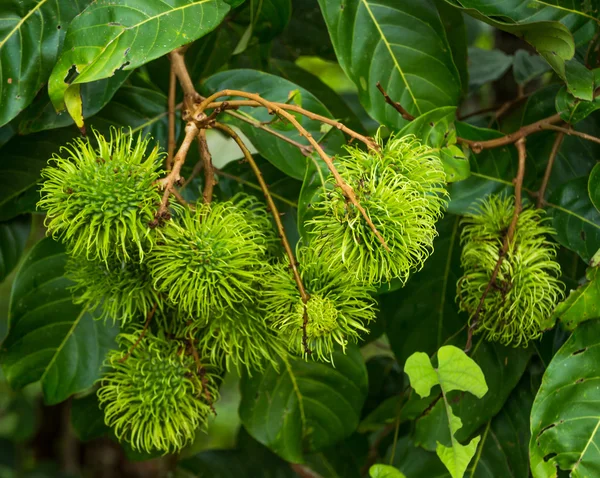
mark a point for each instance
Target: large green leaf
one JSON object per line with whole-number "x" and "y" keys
{"x": 41, "y": 115}
{"x": 536, "y": 23}
{"x": 583, "y": 303}
{"x": 287, "y": 157}
{"x": 31, "y": 34}
{"x": 575, "y": 219}
{"x": 304, "y": 405}
{"x": 20, "y": 166}
{"x": 456, "y": 32}
{"x": 51, "y": 339}
{"x": 13, "y": 236}
{"x": 112, "y": 35}
{"x": 487, "y": 65}
{"x": 594, "y": 186}
{"x": 565, "y": 419}
{"x": 400, "y": 43}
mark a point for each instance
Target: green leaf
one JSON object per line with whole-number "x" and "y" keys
{"x": 552, "y": 40}
{"x": 573, "y": 110}
{"x": 306, "y": 405}
{"x": 381, "y": 41}
{"x": 41, "y": 115}
{"x": 487, "y": 65}
{"x": 456, "y": 164}
{"x": 87, "y": 418}
{"x": 31, "y": 35}
{"x": 575, "y": 219}
{"x": 266, "y": 19}
{"x": 456, "y": 371}
{"x": 385, "y": 471}
{"x": 491, "y": 171}
{"x": 287, "y": 157}
{"x": 20, "y": 167}
{"x": 528, "y": 66}
{"x": 345, "y": 459}
{"x": 583, "y": 303}
{"x": 456, "y": 32}
{"x": 51, "y": 339}
{"x": 435, "y": 128}
{"x": 123, "y": 34}
{"x": 564, "y": 420}
{"x": 13, "y": 236}
{"x": 580, "y": 80}
{"x": 594, "y": 186}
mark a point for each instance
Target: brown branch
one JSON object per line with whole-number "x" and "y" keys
{"x": 209, "y": 173}
{"x": 304, "y": 471}
{"x": 141, "y": 336}
{"x": 572, "y": 132}
{"x": 168, "y": 183}
{"x": 306, "y": 150}
{"x": 183, "y": 75}
{"x": 508, "y": 237}
{"x": 275, "y": 212}
{"x": 397, "y": 106}
{"x": 275, "y": 108}
{"x": 555, "y": 147}
{"x": 171, "y": 114}
{"x": 234, "y": 104}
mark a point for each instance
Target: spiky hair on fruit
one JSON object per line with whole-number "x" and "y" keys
{"x": 153, "y": 396}
{"x": 121, "y": 289}
{"x": 100, "y": 199}
{"x": 518, "y": 306}
{"x": 338, "y": 310}
{"x": 240, "y": 339}
{"x": 402, "y": 189}
{"x": 209, "y": 260}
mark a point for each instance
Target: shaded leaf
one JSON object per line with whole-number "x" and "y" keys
{"x": 381, "y": 41}
{"x": 122, "y": 35}
{"x": 528, "y": 66}
{"x": 87, "y": 418}
{"x": 51, "y": 339}
{"x": 564, "y": 420}
{"x": 305, "y": 405}
{"x": 583, "y": 303}
{"x": 594, "y": 186}
{"x": 487, "y": 65}
{"x": 573, "y": 110}
{"x": 31, "y": 35}
{"x": 287, "y": 157}
{"x": 575, "y": 219}
{"x": 13, "y": 236}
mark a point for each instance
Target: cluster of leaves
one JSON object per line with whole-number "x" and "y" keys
{"x": 436, "y": 58}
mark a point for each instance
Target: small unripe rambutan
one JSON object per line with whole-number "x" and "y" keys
{"x": 209, "y": 260}
{"x": 518, "y": 306}
{"x": 122, "y": 288}
{"x": 154, "y": 397}
{"x": 338, "y": 310}
{"x": 240, "y": 339}
{"x": 402, "y": 190}
{"x": 100, "y": 200}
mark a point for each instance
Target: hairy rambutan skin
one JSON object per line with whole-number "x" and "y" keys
{"x": 338, "y": 310}
{"x": 99, "y": 200}
{"x": 153, "y": 396}
{"x": 122, "y": 289}
{"x": 518, "y": 306}
{"x": 240, "y": 339}
{"x": 403, "y": 191}
{"x": 209, "y": 260}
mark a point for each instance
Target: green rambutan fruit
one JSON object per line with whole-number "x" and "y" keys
{"x": 338, "y": 310}
{"x": 518, "y": 306}
{"x": 154, "y": 397}
{"x": 209, "y": 260}
{"x": 240, "y": 339}
{"x": 402, "y": 190}
{"x": 99, "y": 200}
{"x": 123, "y": 289}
